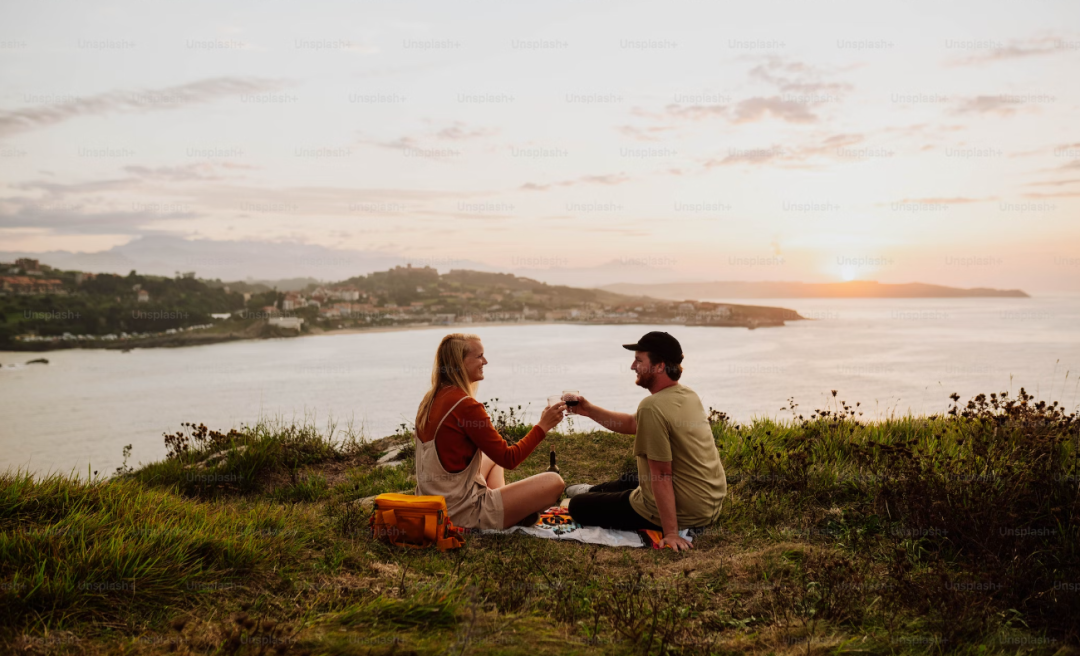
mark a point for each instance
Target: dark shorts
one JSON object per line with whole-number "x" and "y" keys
{"x": 608, "y": 505}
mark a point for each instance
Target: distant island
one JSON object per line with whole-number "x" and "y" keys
{"x": 853, "y": 289}
{"x": 45, "y": 308}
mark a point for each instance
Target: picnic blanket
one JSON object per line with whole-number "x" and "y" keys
{"x": 557, "y": 524}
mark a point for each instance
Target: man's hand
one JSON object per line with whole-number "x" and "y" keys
{"x": 664, "y": 495}
{"x": 583, "y": 407}
{"x": 675, "y": 542}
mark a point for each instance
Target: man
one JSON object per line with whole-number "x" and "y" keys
{"x": 680, "y": 482}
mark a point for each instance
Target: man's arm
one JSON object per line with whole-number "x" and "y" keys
{"x": 664, "y": 493}
{"x": 619, "y": 422}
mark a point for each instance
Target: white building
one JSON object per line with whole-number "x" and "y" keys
{"x": 292, "y": 302}
{"x": 346, "y": 294}
{"x": 289, "y": 323}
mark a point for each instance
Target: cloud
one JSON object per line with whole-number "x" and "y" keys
{"x": 924, "y": 130}
{"x": 401, "y": 143}
{"x": 830, "y": 145}
{"x": 116, "y": 206}
{"x": 955, "y": 200}
{"x": 794, "y": 157}
{"x": 466, "y": 216}
{"x": 696, "y": 112}
{"x": 750, "y": 156}
{"x": 801, "y": 89}
{"x": 427, "y": 144}
{"x": 202, "y": 171}
{"x": 616, "y": 179}
{"x": 749, "y": 110}
{"x": 1053, "y": 183}
{"x": 646, "y": 133}
{"x": 137, "y": 100}
{"x": 139, "y": 204}
{"x": 461, "y": 132}
{"x": 1001, "y": 104}
{"x": 59, "y": 189}
{"x": 755, "y": 109}
{"x": 417, "y": 148}
{"x": 990, "y": 51}
{"x": 611, "y": 230}
{"x": 1069, "y": 151}
{"x": 1062, "y": 194}
{"x": 795, "y": 77}
{"x": 83, "y": 219}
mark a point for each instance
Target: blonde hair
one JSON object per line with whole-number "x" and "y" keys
{"x": 448, "y": 371}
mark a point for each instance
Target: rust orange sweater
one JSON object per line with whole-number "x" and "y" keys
{"x": 468, "y": 428}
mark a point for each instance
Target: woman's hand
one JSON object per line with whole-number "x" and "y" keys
{"x": 551, "y": 416}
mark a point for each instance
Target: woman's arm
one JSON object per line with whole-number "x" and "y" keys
{"x": 477, "y": 426}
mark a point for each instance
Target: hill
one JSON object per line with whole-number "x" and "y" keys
{"x": 482, "y": 296}
{"x": 909, "y": 535}
{"x": 43, "y": 308}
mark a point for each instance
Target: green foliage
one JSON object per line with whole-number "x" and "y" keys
{"x": 308, "y": 489}
{"x": 206, "y": 463}
{"x": 904, "y": 535}
{"x": 73, "y": 551}
{"x": 973, "y": 512}
{"x": 108, "y": 304}
{"x": 433, "y": 609}
{"x": 510, "y": 423}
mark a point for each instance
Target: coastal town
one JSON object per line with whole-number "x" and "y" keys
{"x": 410, "y": 295}
{"x": 47, "y": 308}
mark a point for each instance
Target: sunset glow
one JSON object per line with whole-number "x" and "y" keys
{"x": 539, "y": 140}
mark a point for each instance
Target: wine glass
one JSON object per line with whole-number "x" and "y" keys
{"x": 572, "y": 398}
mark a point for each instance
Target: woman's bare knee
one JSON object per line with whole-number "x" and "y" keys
{"x": 530, "y": 495}
{"x": 553, "y": 484}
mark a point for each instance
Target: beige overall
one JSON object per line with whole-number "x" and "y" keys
{"x": 469, "y": 501}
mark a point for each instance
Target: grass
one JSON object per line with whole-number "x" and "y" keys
{"x": 909, "y": 535}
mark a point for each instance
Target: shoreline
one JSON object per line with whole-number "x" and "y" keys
{"x": 175, "y": 341}
{"x": 460, "y": 327}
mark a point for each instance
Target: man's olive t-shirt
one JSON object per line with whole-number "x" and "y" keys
{"x": 672, "y": 427}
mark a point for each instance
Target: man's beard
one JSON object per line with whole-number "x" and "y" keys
{"x": 646, "y": 379}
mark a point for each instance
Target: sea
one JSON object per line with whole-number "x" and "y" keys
{"x": 76, "y": 414}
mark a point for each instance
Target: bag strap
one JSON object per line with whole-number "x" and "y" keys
{"x": 450, "y": 539}
{"x": 450, "y": 542}
{"x": 416, "y": 489}
{"x": 437, "y": 427}
{"x": 388, "y": 519}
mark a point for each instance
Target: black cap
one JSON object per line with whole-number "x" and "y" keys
{"x": 662, "y": 344}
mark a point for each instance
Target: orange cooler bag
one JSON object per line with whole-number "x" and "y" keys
{"x": 412, "y": 521}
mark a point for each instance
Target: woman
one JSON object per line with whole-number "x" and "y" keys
{"x": 460, "y": 455}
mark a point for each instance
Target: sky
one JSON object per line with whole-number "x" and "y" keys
{"x": 806, "y": 141}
